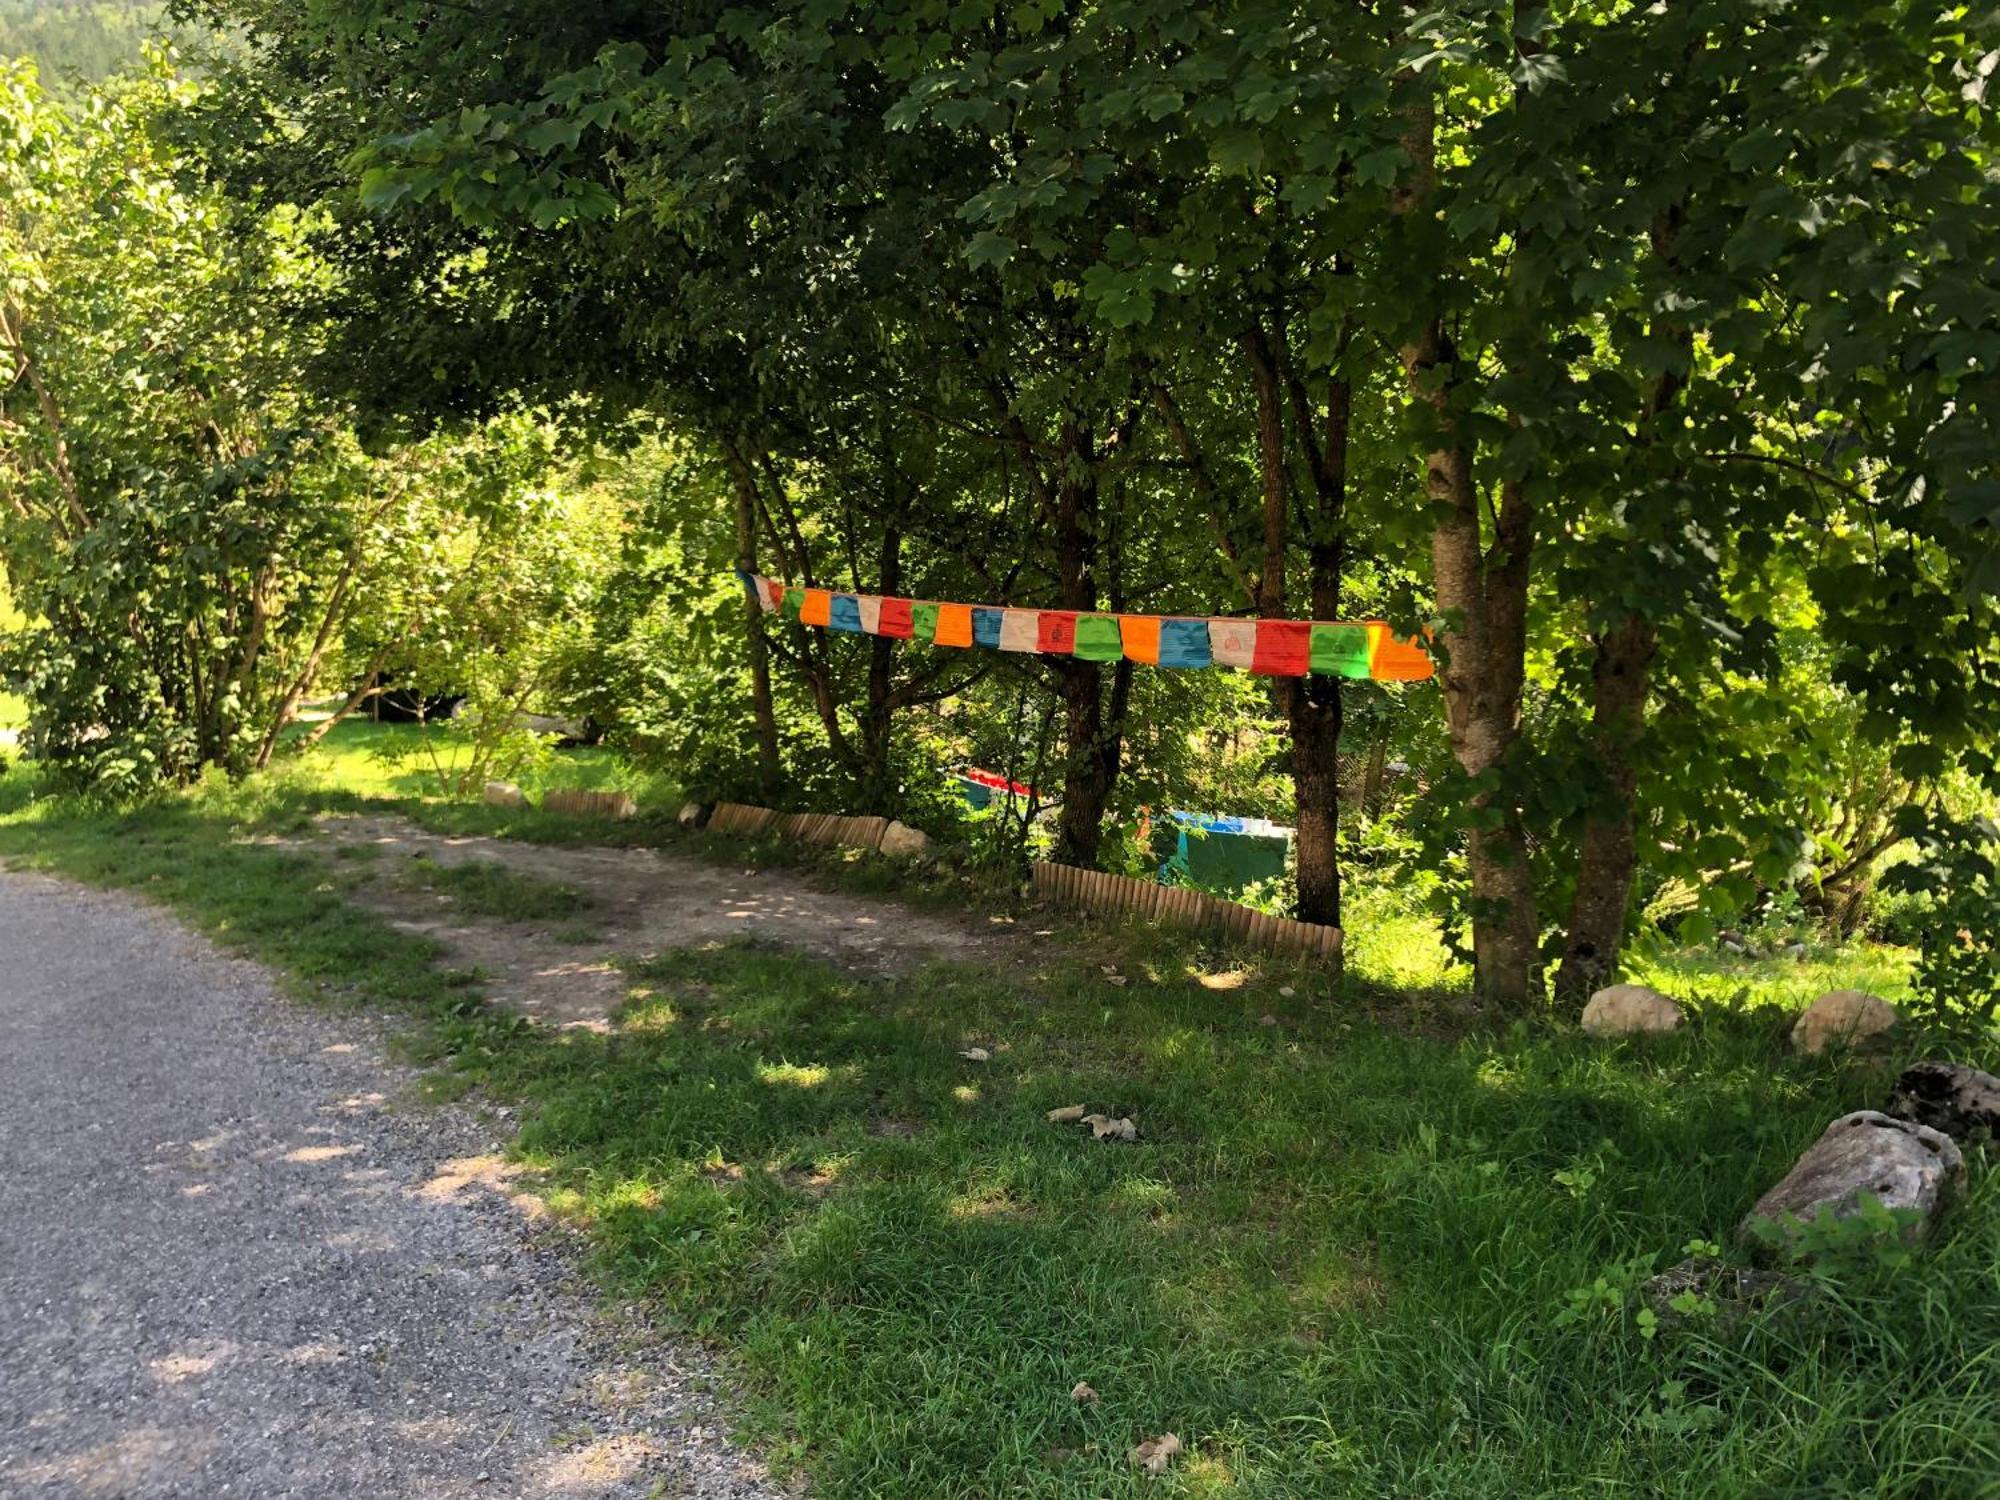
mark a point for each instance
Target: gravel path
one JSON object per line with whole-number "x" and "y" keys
{"x": 232, "y": 1265}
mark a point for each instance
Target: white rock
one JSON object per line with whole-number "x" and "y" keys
{"x": 503, "y": 794}
{"x": 1845, "y": 1016}
{"x": 900, "y": 841}
{"x": 1865, "y": 1154}
{"x": 1630, "y": 1009}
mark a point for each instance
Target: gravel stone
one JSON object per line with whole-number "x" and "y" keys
{"x": 236, "y": 1259}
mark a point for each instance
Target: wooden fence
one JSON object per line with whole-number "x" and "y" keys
{"x": 807, "y": 828}
{"x": 1177, "y": 906}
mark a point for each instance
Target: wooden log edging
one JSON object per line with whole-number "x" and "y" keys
{"x": 1178, "y": 906}
{"x": 738, "y": 817}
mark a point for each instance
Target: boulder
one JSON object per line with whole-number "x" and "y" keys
{"x": 1903, "y": 1165}
{"x": 503, "y": 794}
{"x": 693, "y": 815}
{"x": 1628, "y": 1009}
{"x": 577, "y": 804}
{"x": 1850, "y": 1017}
{"x": 900, "y": 841}
{"x": 1962, "y": 1102}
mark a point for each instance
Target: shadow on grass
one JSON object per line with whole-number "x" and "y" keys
{"x": 1338, "y": 1261}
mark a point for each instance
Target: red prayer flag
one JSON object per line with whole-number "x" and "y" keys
{"x": 1056, "y": 632}
{"x": 1284, "y": 648}
{"x": 897, "y": 620}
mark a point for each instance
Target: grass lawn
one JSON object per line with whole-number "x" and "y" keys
{"x": 1356, "y": 1250}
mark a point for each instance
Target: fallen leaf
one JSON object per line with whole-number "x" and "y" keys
{"x": 1069, "y": 1114}
{"x": 1082, "y": 1392}
{"x": 1104, "y": 1127}
{"x": 1287, "y": 991}
{"x": 1117, "y": 979}
{"x": 1154, "y": 1454}
{"x": 976, "y": 1054}
{"x": 1267, "y": 1019}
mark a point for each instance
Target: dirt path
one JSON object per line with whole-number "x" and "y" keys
{"x": 231, "y": 1265}
{"x": 643, "y": 902}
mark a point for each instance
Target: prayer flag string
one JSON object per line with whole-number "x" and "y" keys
{"x": 1270, "y": 648}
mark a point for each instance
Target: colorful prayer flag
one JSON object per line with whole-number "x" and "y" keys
{"x": 1140, "y": 636}
{"x": 1233, "y": 643}
{"x": 1284, "y": 648}
{"x": 1396, "y": 660}
{"x": 1341, "y": 650}
{"x": 1098, "y": 638}
{"x": 1184, "y": 643}
{"x": 897, "y": 619}
{"x": 1271, "y": 648}
{"x": 1055, "y": 632}
{"x": 954, "y": 626}
{"x": 1018, "y": 629}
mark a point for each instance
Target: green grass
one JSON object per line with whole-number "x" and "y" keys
{"x": 1340, "y": 1260}
{"x": 493, "y": 890}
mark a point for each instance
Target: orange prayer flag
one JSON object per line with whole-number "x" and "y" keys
{"x": 1394, "y": 660}
{"x": 954, "y": 625}
{"x": 818, "y": 607}
{"x": 1141, "y": 635}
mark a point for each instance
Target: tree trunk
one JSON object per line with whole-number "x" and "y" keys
{"x": 1607, "y": 855}
{"x": 1094, "y": 748}
{"x": 769, "y": 769}
{"x": 1484, "y": 599}
{"x": 876, "y": 784}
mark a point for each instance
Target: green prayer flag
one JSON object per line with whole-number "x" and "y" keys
{"x": 923, "y": 621}
{"x": 1097, "y": 638}
{"x": 792, "y": 603}
{"x": 1340, "y": 650}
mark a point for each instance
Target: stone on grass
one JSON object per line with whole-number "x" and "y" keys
{"x": 1850, "y": 1017}
{"x": 900, "y": 841}
{"x": 1864, "y": 1155}
{"x": 1629, "y": 1009}
{"x": 577, "y": 804}
{"x": 503, "y": 794}
{"x": 1962, "y": 1102}
{"x": 692, "y": 815}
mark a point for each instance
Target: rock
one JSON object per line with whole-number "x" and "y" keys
{"x": 1847, "y": 1016}
{"x": 1081, "y": 1391}
{"x": 503, "y": 794}
{"x": 1962, "y": 1102}
{"x": 1736, "y": 1291}
{"x": 900, "y": 841}
{"x": 590, "y": 804}
{"x": 1903, "y": 1165}
{"x": 1155, "y": 1453}
{"x": 693, "y": 815}
{"x": 1628, "y": 1009}
{"x": 1105, "y": 1128}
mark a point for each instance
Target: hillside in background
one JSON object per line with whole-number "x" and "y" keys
{"x": 77, "y": 38}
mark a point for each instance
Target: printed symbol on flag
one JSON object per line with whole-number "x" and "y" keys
{"x": 1233, "y": 643}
